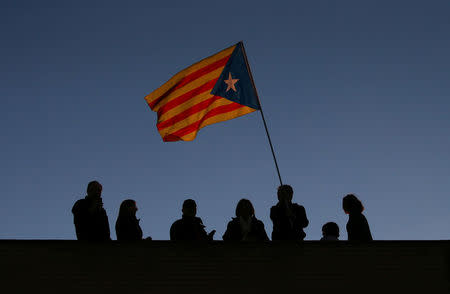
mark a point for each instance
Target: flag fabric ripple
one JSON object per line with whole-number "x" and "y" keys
{"x": 215, "y": 89}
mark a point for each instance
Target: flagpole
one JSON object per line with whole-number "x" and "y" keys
{"x": 261, "y": 111}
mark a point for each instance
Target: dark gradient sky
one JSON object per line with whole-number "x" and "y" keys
{"x": 356, "y": 95}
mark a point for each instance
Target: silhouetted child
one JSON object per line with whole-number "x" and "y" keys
{"x": 288, "y": 218}
{"x": 89, "y": 216}
{"x": 127, "y": 225}
{"x": 330, "y": 232}
{"x": 245, "y": 226}
{"x": 189, "y": 227}
{"x": 357, "y": 226}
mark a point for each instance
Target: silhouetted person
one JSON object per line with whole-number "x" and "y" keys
{"x": 288, "y": 218}
{"x": 127, "y": 225}
{"x": 330, "y": 232}
{"x": 357, "y": 226}
{"x": 89, "y": 216}
{"x": 189, "y": 227}
{"x": 245, "y": 226}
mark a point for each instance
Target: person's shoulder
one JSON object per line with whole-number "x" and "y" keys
{"x": 363, "y": 218}
{"x": 233, "y": 222}
{"x": 259, "y": 223}
{"x": 178, "y": 222}
{"x": 297, "y": 206}
{"x": 275, "y": 207}
{"x": 124, "y": 220}
{"x": 103, "y": 212}
{"x": 176, "y": 226}
{"x": 198, "y": 221}
{"x": 79, "y": 205}
{"x": 80, "y": 202}
{"x": 358, "y": 217}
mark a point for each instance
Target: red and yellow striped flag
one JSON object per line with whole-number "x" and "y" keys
{"x": 215, "y": 89}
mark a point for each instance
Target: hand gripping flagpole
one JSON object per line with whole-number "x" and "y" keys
{"x": 261, "y": 110}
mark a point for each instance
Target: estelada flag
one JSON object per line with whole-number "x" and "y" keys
{"x": 215, "y": 89}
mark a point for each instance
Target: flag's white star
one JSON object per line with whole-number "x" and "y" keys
{"x": 230, "y": 82}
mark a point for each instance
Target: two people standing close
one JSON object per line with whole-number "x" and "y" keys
{"x": 357, "y": 225}
{"x": 91, "y": 221}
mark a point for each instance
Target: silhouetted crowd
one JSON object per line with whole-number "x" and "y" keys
{"x": 289, "y": 219}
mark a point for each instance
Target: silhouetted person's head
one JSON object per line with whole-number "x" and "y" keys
{"x": 351, "y": 204}
{"x": 245, "y": 209}
{"x": 128, "y": 208}
{"x": 330, "y": 229}
{"x": 94, "y": 189}
{"x": 189, "y": 208}
{"x": 285, "y": 193}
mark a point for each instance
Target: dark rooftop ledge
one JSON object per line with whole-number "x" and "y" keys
{"x": 68, "y": 266}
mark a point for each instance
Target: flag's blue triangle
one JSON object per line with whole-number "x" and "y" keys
{"x": 235, "y": 83}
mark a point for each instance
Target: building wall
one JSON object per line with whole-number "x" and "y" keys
{"x": 171, "y": 267}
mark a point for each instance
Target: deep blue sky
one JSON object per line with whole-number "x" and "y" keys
{"x": 356, "y": 95}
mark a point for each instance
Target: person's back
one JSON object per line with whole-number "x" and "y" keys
{"x": 357, "y": 225}
{"x": 90, "y": 219}
{"x": 358, "y": 228}
{"x": 245, "y": 226}
{"x": 289, "y": 219}
{"x": 189, "y": 227}
{"x": 127, "y": 225}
